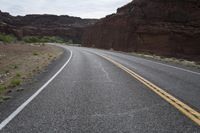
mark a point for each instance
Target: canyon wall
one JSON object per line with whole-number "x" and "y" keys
{"x": 44, "y": 25}
{"x": 163, "y": 27}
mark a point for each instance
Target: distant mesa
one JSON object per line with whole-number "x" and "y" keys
{"x": 44, "y": 25}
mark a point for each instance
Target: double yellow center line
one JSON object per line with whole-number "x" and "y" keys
{"x": 182, "y": 107}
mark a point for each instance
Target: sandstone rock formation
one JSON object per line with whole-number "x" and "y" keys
{"x": 44, "y": 25}
{"x": 162, "y": 27}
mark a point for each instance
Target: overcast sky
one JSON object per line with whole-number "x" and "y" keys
{"x": 80, "y": 8}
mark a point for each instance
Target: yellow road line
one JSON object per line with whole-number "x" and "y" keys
{"x": 182, "y": 107}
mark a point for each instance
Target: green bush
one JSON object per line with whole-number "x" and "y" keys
{"x": 35, "y": 53}
{"x": 31, "y": 39}
{"x": 7, "y": 38}
{"x": 44, "y": 39}
{"x": 69, "y": 42}
{"x": 15, "y": 82}
{"x": 18, "y": 75}
{"x": 2, "y": 88}
{"x": 35, "y": 39}
{"x": 14, "y": 66}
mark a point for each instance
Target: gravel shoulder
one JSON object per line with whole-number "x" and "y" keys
{"x": 20, "y": 63}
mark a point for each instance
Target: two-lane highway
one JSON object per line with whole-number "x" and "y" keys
{"x": 91, "y": 94}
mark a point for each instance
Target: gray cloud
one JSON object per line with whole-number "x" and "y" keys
{"x": 81, "y": 8}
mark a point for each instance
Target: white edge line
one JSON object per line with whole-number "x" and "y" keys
{"x": 22, "y": 106}
{"x": 163, "y": 64}
{"x": 172, "y": 66}
{"x": 186, "y": 70}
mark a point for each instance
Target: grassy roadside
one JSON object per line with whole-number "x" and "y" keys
{"x": 20, "y": 62}
{"x": 9, "y": 38}
{"x": 169, "y": 60}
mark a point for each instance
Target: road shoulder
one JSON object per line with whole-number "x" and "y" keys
{"x": 31, "y": 87}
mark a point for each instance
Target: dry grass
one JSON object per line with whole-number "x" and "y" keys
{"x": 170, "y": 60}
{"x": 20, "y": 62}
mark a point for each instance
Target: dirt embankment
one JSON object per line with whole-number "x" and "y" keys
{"x": 20, "y": 62}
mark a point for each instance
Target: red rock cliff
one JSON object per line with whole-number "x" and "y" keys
{"x": 162, "y": 27}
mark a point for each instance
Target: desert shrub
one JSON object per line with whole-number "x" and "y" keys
{"x": 15, "y": 82}
{"x": 43, "y": 39}
{"x": 18, "y": 75}
{"x": 31, "y": 39}
{"x": 2, "y": 88}
{"x": 69, "y": 42}
{"x": 35, "y": 53}
{"x": 7, "y": 38}
{"x": 14, "y": 66}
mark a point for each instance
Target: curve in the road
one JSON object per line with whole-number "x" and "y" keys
{"x": 22, "y": 106}
{"x": 184, "y": 108}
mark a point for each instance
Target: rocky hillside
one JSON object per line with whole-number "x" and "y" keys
{"x": 44, "y": 25}
{"x": 162, "y": 27}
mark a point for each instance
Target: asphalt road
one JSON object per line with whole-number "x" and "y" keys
{"x": 92, "y": 95}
